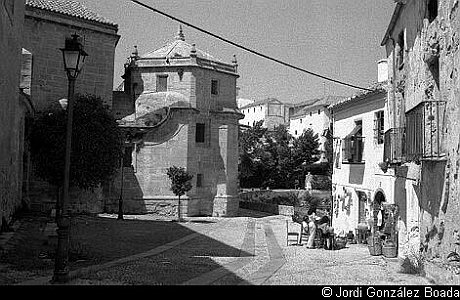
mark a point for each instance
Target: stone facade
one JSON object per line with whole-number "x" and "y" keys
{"x": 45, "y": 32}
{"x": 185, "y": 104}
{"x": 11, "y": 115}
{"x": 47, "y": 24}
{"x": 422, "y": 44}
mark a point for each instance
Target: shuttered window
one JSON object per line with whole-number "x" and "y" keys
{"x": 200, "y": 132}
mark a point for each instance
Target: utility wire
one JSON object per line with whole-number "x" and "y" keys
{"x": 246, "y": 49}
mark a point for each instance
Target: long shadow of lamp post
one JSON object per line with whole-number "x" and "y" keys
{"x": 74, "y": 58}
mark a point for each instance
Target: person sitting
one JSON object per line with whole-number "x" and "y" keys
{"x": 327, "y": 232}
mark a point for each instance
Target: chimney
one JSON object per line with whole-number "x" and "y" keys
{"x": 382, "y": 66}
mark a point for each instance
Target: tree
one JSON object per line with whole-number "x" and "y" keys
{"x": 304, "y": 152}
{"x": 279, "y": 145}
{"x": 96, "y": 144}
{"x": 274, "y": 158}
{"x": 180, "y": 183}
{"x": 254, "y": 160}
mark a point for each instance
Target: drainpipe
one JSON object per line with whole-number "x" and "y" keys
{"x": 394, "y": 82}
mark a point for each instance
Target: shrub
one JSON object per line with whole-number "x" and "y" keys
{"x": 413, "y": 264}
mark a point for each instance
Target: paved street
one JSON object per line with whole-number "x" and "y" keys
{"x": 246, "y": 250}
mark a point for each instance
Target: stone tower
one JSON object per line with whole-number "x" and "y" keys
{"x": 184, "y": 114}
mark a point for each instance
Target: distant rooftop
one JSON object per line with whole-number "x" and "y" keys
{"x": 261, "y": 102}
{"x": 374, "y": 88}
{"x": 308, "y": 105}
{"x": 70, "y": 8}
{"x": 177, "y": 49}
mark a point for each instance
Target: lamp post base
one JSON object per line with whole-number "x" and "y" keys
{"x": 60, "y": 277}
{"x": 61, "y": 270}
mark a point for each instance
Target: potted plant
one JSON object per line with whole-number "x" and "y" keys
{"x": 384, "y": 166}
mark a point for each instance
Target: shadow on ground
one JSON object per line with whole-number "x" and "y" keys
{"x": 96, "y": 240}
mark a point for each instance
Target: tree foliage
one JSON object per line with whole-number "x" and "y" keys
{"x": 274, "y": 158}
{"x": 96, "y": 144}
{"x": 180, "y": 180}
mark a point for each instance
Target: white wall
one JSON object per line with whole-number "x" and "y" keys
{"x": 347, "y": 177}
{"x": 318, "y": 122}
{"x": 253, "y": 114}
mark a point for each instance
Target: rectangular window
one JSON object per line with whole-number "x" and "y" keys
{"x": 353, "y": 145}
{"x": 300, "y": 121}
{"x": 199, "y": 180}
{"x": 379, "y": 131}
{"x": 214, "y": 87}
{"x": 401, "y": 50}
{"x": 162, "y": 83}
{"x": 200, "y": 131}
{"x": 128, "y": 156}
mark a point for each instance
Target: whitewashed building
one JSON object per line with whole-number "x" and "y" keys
{"x": 272, "y": 111}
{"x": 313, "y": 114}
{"x": 359, "y": 124}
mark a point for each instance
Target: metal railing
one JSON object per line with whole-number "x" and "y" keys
{"x": 425, "y": 131}
{"x": 394, "y": 145}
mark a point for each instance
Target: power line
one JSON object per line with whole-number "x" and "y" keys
{"x": 246, "y": 49}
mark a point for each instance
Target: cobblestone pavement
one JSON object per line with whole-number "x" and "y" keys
{"x": 246, "y": 250}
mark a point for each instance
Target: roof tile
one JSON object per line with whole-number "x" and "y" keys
{"x": 70, "y": 8}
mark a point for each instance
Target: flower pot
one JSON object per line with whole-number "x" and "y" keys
{"x": 389, "y": 251}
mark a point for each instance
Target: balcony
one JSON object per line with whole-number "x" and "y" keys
{"x": 394, "y": 145}
{"x": 353, "y": 147}
{"x": 425, "y": 131}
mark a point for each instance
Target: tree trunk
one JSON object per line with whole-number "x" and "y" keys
{"x": 120, "y": 200}
{"x": 178, "y": 210}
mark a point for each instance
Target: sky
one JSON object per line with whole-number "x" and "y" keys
{"x": 335, "y": 38}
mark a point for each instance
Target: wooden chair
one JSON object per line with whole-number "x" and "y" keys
{"x": 297, "y": 234}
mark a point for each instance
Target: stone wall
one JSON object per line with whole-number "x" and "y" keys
{"x": 11, "y": 26}
{"x": 146, "y": 186}
{"x": 44, "y": 35}
{"x": 438, "y": 191}
{"x": 442, "y": 230}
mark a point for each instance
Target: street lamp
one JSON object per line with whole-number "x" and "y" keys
{"x": 74, "y": 58}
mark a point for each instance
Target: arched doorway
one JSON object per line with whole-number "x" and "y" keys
{"x": 379, "y": 199}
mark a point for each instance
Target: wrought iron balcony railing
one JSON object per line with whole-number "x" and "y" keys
{"x": 394, "y": 145}
{"x": 425, "y": 131}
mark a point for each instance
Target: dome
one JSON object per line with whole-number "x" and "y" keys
{"x": 152, "y": 107}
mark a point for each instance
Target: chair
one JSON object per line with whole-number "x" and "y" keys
{"x": 297, "y": 234}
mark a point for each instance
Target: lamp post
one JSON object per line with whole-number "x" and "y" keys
{"x": 74, "y": 58}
